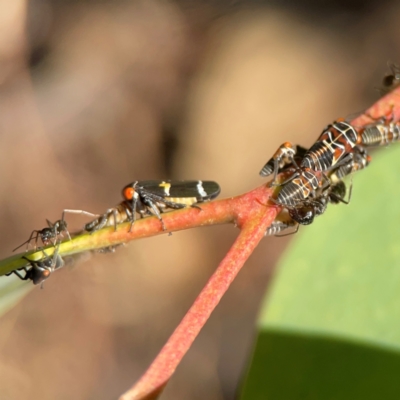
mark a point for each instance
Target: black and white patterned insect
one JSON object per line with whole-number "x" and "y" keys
{"x": 308, "y": 173}
{"x": 302, "y": 184}
{"x": 154, "y": 197}
{"x": 334, "y": 144}
{"x": 304, "y": 212}
{"x": 278, "y": 226}
{"x": 382, "y": 132}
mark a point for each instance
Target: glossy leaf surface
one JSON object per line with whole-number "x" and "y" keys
{"x": 330, "y": 326}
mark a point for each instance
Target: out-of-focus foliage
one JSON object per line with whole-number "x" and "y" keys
{"x": 330, "y": 328}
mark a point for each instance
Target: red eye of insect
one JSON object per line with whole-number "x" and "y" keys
{"x": 46, "y": 273}
{"x": 128, "y": 193}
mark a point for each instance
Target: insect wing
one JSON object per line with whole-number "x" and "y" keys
{"x": 198, "y": 190}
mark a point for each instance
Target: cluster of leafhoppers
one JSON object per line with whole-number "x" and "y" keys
{"x": 140, "y": 197}
{"x": 314, "y": 177}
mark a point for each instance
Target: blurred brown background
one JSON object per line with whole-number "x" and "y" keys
{"x": 96, "y": 94}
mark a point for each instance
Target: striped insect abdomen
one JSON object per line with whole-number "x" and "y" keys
{"x": 335, "y": 141}
{"x": 278, "y": 227}
{"x": 299, "y": 189}
{"x": 380, "y": 134}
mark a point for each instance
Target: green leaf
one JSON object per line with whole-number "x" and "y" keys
{"x": 330, "y": 327}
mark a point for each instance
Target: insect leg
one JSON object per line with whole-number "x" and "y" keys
{"x": 137, "y": 206}
{"x": 341, "y": 199}
{"x": 148, "y": 202}
{"x": 23, "y": 278}
{"x": 290, "y": 233}
{"x": 29, "y": 240}
{"x": 294, "y": 176}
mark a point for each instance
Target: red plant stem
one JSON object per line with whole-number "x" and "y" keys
{"x": 384, "y": 106}
{"x": 254, "y": 217}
